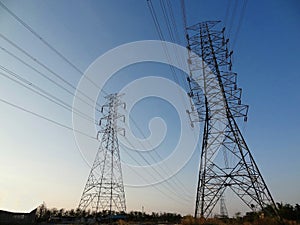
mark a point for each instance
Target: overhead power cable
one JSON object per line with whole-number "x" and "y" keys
{"x": 39, "y": 91}
{"x": 63, "y": 104}
{"x": 173, "y": 33}
{"x": 45, "y": 118}
{"x": 240, "y": 22}
{"x": 40, "y": 38}
{"x": 156, "y": 171}
{"x": 171, "y": 25}
{"x": 227, "y": 12}
{"x": 46, "y": 77}
{"x": 184, "y": 19}
{"x": 23, "y": 82}
{"x": 178, "y": 184}
{"x": 30, "y": 84}
{"x": 48, "y": 45}
{"x": 28, "y": 27}
{"x": 161, "y": 36}
{"x": 44, "y": 66}
{"x": 233, "y": 15}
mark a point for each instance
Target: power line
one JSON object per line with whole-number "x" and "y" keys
{"x": 43, "y": 40}
{"x": 240, "y": 22}
{"x": 161, "y": 36}
{"x": 159, "y": 156}
{"x": 45, "y": 118}
{"x": 65, "y": 105}
{"x": 44, "y": 66}
{"x": 49, "y": 46}
{"x": 156, "y": 171}
{"x": 171, "y": 25}
{"x": 181, "y": 185}
{"x": 31, "y": 84}
{"x": 173, "y": 21}
{"x": 36, "y": 60}
{"x": 170, "y": 22}
{"x": 39, "y": 91}
{"x": 45, "y": 96}
{"x": 28, "y": 27}
{"x": 148, "y": 163}
{"x": 40, "y": 38}
{"x": 226, "y": 13}
{"x": 153, "y": 186}
{"x": 232, "y": 16}
{"x": 46, "y": 77}
{"x": 184, "y": 19}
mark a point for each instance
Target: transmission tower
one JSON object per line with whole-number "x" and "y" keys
{"x": 226, "y": 161}
{"x": 104, "y": 190}
{"x": 223, "y": 209}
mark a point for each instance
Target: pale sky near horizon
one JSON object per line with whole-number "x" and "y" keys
{"x": 39, "y": 161}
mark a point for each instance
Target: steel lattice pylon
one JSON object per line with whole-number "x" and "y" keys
{"x": 223, "y": 209}
{"x": 226, "y": 161}
{"x": 104, "y": 190}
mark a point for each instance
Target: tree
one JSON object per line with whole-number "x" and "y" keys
{"x": 61, "y": 212}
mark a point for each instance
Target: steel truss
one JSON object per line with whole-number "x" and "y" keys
{"x": 226, "y": 161}
{"x": 223, "y": 209}
{"x": 104, "y": 190}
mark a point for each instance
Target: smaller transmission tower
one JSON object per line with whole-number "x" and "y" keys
{"x": 104, "y": 190}
{"x": 223, "y": 209}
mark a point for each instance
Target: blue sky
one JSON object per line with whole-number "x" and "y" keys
{"x": 39, "y": 160}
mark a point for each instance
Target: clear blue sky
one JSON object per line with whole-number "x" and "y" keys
{"x": 39, "y": 160}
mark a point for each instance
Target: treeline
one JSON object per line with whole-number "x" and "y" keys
{"x": 288, "y": 215}
{"x": 289, "y": 212}
{"x": 154, "y": 217}
{"x": 286, "y": 211}
{"x": 44, "y": 214}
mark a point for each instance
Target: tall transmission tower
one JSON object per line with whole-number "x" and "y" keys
{"x": 104, "y": 190}
{"x": 226, "y": 161}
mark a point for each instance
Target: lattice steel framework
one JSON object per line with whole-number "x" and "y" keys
{"x": 104, "y": 190}
{"x": 223, "y": 208}
{"x": 226, "y": 161}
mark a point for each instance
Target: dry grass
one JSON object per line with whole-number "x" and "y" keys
{"x": 189, "y": 220}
